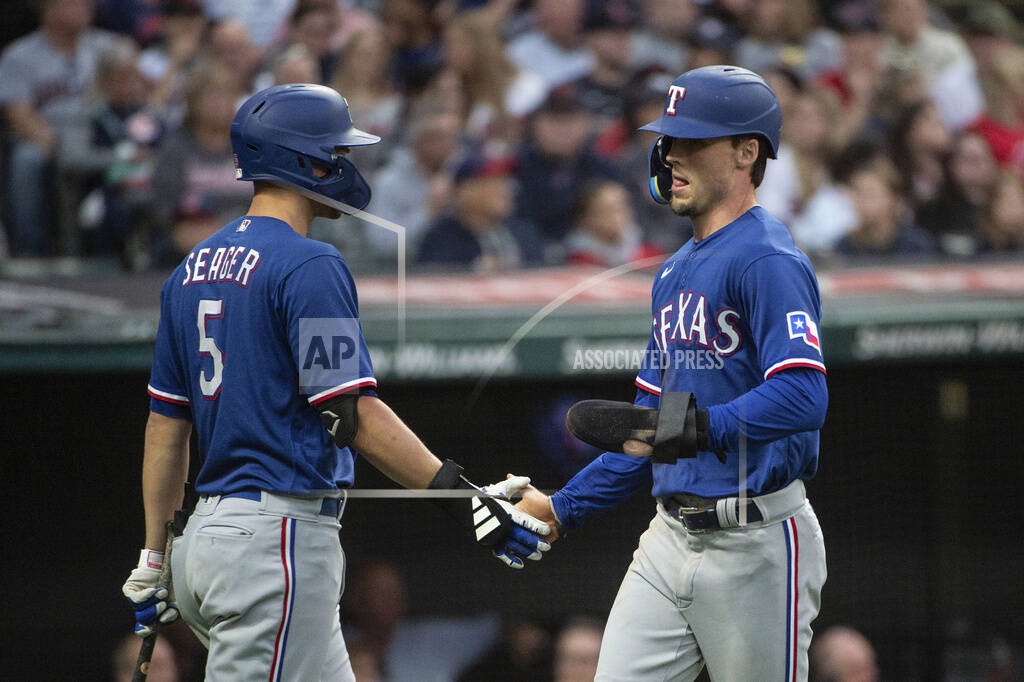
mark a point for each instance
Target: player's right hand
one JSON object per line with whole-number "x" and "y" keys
{"x": 538, "y": 505}
{"x": 511, "y": 533}
{"x": 149, "y": 600}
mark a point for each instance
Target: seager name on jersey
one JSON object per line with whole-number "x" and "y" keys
{"x": 688, "y": 320}
{"x": 225, "y": 264}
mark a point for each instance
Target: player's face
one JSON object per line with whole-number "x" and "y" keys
{"x": 702, "y": 174}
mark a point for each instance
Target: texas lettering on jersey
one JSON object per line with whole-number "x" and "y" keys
{"x": 689, "y": 319}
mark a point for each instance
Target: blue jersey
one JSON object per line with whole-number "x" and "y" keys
{"x": 257, "y": 325}
{"x": 728, "y": 312}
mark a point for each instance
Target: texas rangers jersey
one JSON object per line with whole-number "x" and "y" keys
{"x": 728, "y": 312}
{"x": 257, "y": 324}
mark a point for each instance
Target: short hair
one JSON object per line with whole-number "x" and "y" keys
{"x": 763, "y": 149}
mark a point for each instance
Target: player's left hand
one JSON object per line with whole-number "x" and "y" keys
{"x": 148, "y": 599}
{"x": 523, "y": 531}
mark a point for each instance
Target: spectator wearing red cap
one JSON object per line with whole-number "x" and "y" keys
{"x": 480, "y": 233}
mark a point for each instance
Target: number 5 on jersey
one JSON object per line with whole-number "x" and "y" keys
{"x": 210, "y": 387}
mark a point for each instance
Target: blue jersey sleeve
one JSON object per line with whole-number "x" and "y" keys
{"x": 783, "y": 310}
{"x": 321, "y": 313}
{"x": 167, "y": 390}
{"x": 649, "y": 377}
{"x": 790, "y": 402}
{"x": 605, "y": 482}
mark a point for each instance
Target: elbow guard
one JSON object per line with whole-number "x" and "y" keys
{"x": 340, "y": 417}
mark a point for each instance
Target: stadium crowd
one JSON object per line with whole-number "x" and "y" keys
{"x": 509, "y": 127}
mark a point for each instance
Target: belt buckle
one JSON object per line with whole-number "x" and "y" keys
{"x": 682, "y": 512}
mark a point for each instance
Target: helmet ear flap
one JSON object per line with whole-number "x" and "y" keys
{"x": 660, "y": 170}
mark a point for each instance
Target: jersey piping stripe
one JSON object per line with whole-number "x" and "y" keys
{"x": 288, "y": 562}
{"x": 168, "y": 397}
{"x": 647, "y": 386}
{"x": 341, "y": 388}
{"x": 792, "y": 596}
{"x": 794, "y": 362}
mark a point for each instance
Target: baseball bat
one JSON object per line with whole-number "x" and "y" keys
{"x": 148, "y": 643}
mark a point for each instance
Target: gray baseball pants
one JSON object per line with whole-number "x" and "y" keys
{"x": 259, "y": 582}
{"x": 739, "y": 600}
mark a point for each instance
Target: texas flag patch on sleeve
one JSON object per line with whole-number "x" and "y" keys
{"x": 801, "y": 326}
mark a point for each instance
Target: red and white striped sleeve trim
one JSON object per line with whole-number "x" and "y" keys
{"x": 341, "y": 388}
{"x": 794, "y": 362}
{"x": 648, "y": 386}
{"x": 166, "y": 397}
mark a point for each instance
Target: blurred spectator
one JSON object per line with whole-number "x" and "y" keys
{"x": 480, "y": 233}
{"x": 165, "y": 64}
{"x": 734, "y": 13}
{"x": 786, "y": 33}
{"x": 262, "y": 19}
{"x": 941, "y": 57}
{"x": 498, "y": 94}
{"x": 1003, "y": 121}
{"x": 229, "y": 44}
{"x": 366, "y": 664}
{"x": 576, "y": 650}
{"x": 992, "y": 34}
{"x": 400, "y": 648}
{"x": 362, "y": 76}
{"x": 554, "y": 48}
{"x": 608, "y": 29}
{"x": 294, "y": 65}
{"x": 604, "y": 231}
{"x": 115, "y": 143}
{"x": 801, "y": 168}
{"x": 43, "y": 77}
{"x": 312, "y": 25}
{"x": 711, "y": 42}
{"x": 555, "y": 162}
{"x": 920, "y": 145}
{"x": 841, "y": 654}
{"x": 416, "y": 184}
{"x": 661, "y": 42}
{"x": 1003, "y": 225}
{"x": 194, "y": 191}
{"x": 955, "y": 215}
{"x": 855, "y": 79}
{"x": 884, "y": 225}
{"x": 163, "y": 666}
{"x": 524, "y": 653}
{"x": 830, "y": 213}
{"x": 413, "y": 28}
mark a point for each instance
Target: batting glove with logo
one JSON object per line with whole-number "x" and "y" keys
{"x": 512, "y": 534}
{"x": 148, "y": 599}
{"x": 524, "y": 538}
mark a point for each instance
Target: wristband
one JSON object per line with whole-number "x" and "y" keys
{"x": 150, "y": 558}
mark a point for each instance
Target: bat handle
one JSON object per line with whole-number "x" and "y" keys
{"x": 149, "y": 643}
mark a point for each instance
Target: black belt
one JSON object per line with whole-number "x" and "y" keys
{"x": 700, "y": 514}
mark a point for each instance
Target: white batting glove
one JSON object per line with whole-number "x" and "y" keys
{"x": 523, "y": 540}
{"x": 150, "y": 601}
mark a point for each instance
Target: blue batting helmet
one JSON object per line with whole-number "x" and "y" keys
{"x": 713, "y": 101}
{"x": 280, "y": 133}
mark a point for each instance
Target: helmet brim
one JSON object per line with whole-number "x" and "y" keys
{"x": 354, "y": 137}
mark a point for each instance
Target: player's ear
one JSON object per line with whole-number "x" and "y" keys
{"x": 745, "y": 151}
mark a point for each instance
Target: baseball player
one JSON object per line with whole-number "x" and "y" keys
{"x": 729, "y": 573}
{"x": 259, "y": 348}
